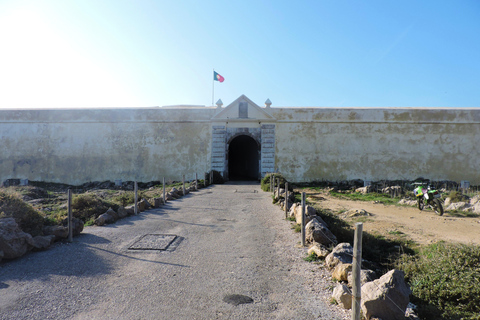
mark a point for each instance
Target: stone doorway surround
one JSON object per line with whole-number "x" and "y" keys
{"x": 243, "y": 117}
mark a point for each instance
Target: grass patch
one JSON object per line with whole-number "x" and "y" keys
{"x": 89, "y": 206}
{"x": 445, "y": 280}
{"x": 27, "y": 218}
{"x": 373, "y": 196}
{"x": 297, "y": 227}
{"x": 312, "y": 257}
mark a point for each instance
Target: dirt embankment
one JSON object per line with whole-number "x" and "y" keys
{"x": 423, "y": 227}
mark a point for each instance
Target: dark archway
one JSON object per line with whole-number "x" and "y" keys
{"x": 243, "y": 158}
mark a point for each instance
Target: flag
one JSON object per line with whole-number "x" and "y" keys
{"x": 218, "y": 77}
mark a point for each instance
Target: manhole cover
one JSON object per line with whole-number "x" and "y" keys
{"x": 153, "y": 242}
{"x": 237, "y": 299}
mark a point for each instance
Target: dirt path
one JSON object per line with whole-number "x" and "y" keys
{"x": 421, "y": 226}
{"x": 231, "y": 241}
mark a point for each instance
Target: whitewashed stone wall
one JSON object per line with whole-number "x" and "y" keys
{"x": 305, "y": 144}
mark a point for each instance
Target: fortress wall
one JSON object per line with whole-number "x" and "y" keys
{"x": 77, "y": 146}
{"x": 375, "y": 144}
{"x": 80, "y": 145}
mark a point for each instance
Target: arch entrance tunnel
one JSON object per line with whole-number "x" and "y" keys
{"x": 243, "y": 158}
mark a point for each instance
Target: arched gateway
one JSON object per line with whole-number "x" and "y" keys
{"x": 243, "y": 158}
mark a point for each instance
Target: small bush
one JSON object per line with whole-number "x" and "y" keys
{"x": 27, "y": 218}
{"x": 125, "y": 198}
{"x": 445, "y": 280}
{"x": 311, "y": 257}
{"x": 88, "y": 206}
{"x": 265, "y": 182}
{"x": 456, "y": 196}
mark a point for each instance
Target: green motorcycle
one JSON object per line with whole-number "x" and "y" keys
{"x": 428, "y": 197}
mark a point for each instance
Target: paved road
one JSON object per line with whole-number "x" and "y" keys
{"x": 230, "y": 241}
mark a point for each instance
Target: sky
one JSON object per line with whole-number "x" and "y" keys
{"x": 146, "y": 53}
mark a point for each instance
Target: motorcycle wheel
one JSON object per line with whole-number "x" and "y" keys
{"x": 421, "y": 205}
{"x": 437, "y": 206}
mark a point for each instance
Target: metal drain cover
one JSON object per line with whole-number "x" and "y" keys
{"x": 153, "y": 242}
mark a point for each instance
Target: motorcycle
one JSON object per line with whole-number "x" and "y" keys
{"x": 428, "y": 197}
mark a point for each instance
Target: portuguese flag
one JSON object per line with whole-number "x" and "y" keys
{"x": 218, "y": 77}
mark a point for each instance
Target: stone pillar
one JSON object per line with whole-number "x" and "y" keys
{"x": 218, "y": 148}
{"x": 268, "y": 149}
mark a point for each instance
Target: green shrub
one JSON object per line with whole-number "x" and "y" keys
{"x": 125, "y": 198}
{"x": 265, "y": 182}
{"x": 88, "y": 206}
{"x": 27, "y": 218}
{"x": 445, "y": 281}
{"x": 456, "y": 196}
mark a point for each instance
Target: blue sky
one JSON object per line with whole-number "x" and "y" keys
{"x": 119, "y": 53}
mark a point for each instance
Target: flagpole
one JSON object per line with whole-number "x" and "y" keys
{"x": 213, "y": 86}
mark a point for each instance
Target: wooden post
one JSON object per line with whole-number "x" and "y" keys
{"x": 70, "y": 222}
{"x": 278, "y": 188}
{"x": 271, "y": 182}
{"x": 286, "y": 200}
{"x": 183, "y": 184}
{"x": 303, "y": 219}
{"x": 211, "y": 177}
{"x": 196, "y": 182}
{"x": 136, "y": 197}
{"x": 356, "y": 268}
{"x": 164, "y": 199}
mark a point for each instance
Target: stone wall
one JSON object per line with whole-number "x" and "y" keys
{"x": 77, "y": 146}
{"x": 378, "y": 143}
{"x": 80, "y": 145}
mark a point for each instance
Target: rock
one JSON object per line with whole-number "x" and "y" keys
{"x": 387, "y": 297}
{"x": 122, "y": 212}
{"x": 342, "y": 253}
{"x": 60, "y": 232}
{"x": 343, "y": 296}
{"x": 157, "y": 202}
{"x": 365, "y": 276}
{"x": 315, "y": 231}
{"x": 141, "y": 206}
{"x": 112, "y": 212}
{"x": 341, "y": 271}
{"x": 365, "y": 189}
{"x": 282, "y": 204}
{"x": 474, "y": 200}
{"x": 77, "y": 225}
{"x": 148, "y": 205}
{"x": 476, "y": 208}
{"x": 1, "y": 255}
{"x": 104, "y": 219}
{"x": 42, "y": 242}
{"x": 457, "y": 206}
{"x": 447, "y": 202}
{"x": 320, "y": 250}
{"x": 130, "y": 210}
{"x": 14, "y": 242}
{"x": 171, "y": 196}
{"x": 310, "y": 213}
{"x": 356, "y": 213}
{"x": 408, "y": 202}
{"x": 291, "y": 212}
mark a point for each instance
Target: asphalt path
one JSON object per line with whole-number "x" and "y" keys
{"x": 233, "y": 257}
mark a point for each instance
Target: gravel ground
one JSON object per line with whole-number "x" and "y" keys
{"x": 232, "y": 245}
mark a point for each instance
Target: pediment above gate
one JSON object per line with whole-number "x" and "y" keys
{"x": 243, "y": 110}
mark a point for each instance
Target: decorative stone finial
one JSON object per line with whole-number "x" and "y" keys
{"x": 219, "y": 103}
{"x": 268, "y": 103}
